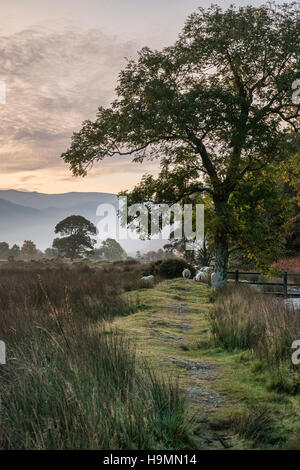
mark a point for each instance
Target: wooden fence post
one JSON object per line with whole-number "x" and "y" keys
{"x": 236, "y": 276}
{"x": 285, "y": 284}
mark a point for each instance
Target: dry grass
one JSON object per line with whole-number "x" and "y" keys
{"x": 71, "y": 381}
{"x": 290, "y": 265}
{"x": 92, "y": 293}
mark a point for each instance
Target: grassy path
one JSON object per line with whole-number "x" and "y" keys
{"x": 171, "y": 331}
{"x": 168, "y": 331}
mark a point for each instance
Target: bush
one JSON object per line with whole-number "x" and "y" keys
{"x": 170, "y": 268}
{"x": 130, "y": 261}
{"x": 125, "y": 262}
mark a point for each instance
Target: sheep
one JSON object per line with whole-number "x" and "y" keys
{"x": 217, "y": 280}
{"x": 147, "y": 278}
{"x": 207, "y": 269}
{"x": 201, "y": 276}
{"x": 186, "y": 273}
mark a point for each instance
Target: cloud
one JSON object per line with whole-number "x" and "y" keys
{"x": 54, "y": 80}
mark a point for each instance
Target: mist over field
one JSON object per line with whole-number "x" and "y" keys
{"x": 33, "y": 216}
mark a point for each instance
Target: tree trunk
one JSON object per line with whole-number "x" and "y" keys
{"x": 219, "y": 278}
{"x": 220, "y": 275}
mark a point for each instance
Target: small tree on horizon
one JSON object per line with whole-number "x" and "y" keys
{"x": 15, "y": 251}
{"x": 111, "y": 250}
{"x": 29, "y": 250}
{"x": 4, "y": 250}
{"x": 76, "y": 236}
{"x": 51, "y": 252}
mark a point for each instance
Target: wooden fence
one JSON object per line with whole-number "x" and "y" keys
{"x": 284, "y": 284}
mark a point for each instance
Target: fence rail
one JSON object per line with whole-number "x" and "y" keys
{"x": 285, "y": 285}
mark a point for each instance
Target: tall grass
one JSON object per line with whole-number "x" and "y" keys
{"x": 94, "y": 293}
{"x": 255, "y": 424}
{"x": 72, "y": 381}
{"x": 242, "y": 319}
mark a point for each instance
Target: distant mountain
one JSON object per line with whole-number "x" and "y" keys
{"x": 19, "y": 223}
{"x": 32, "y": 215}
{"x": 62, "y": 201}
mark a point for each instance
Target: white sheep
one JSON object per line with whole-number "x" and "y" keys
{"x": 186, "y": 273}
{"x": 207, "y": 269}
{"x": 217, "y": 280}
{"x": 202, "y": 276}
{"x": 147, "y": 278}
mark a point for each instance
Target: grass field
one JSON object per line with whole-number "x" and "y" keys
{"x": 97, "y": 361}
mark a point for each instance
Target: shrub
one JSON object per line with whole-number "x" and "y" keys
{"x": 170, "y": 268}
{"x": 130, "y": 261}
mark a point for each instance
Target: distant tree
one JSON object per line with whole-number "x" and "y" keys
{"x": 112, "y": 250}
{"x": 214, "y": 107}
{"x": 154, "y": 255}
{"x": 4, "y": 250}
{"x": 78, "y": 239}
{"x": 161, "y": 253}
{"x": 51, "y": 252}
{"x": 96, "y": 254}
{"x": 15, "y": 251}
{"x": 138, "y": 255}
{"x": 151, "y": 256}
{"x": 29, "y": 250}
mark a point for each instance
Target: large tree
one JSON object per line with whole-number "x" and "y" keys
{"x": 214, "y": 107}
{"x": 76, "y": 236}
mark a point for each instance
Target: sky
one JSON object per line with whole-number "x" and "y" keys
{"x": 59, "y": 61}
